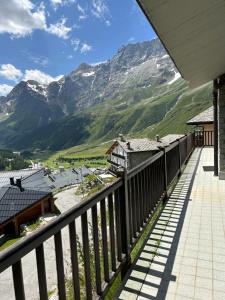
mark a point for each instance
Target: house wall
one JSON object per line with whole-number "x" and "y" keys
{"x": 119, "y": 160}
{"x": 138, "y": 157}
{"x": 208, "y": 127}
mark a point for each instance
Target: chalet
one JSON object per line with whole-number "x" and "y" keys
{"x": 19, "y": 205}
{"x": 128, "y": 153}
{"x": 204, "y": 122}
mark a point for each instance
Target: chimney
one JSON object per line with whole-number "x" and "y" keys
{"x": 19, "y": 184}
{"x": 12, "y": 180}
{"x": 122, "y": 137}
{"x": 157, "y": 138}
{"x": 128, "y": 146}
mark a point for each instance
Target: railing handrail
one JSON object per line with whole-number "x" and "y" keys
{"x": 127, "y": 197}
{"x": 21, "y": 248}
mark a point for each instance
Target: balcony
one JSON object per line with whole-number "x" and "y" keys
{"x": 183, "y": 257}
{"x": 176, "y": 211}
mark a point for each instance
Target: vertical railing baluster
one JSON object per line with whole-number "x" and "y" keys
{"x": 149, "y": 190}
{"x": 124, "y": 216}
{"x": 118, "y": 225}
{"x": 96, "y": 249}
{"x": 18, "y": 280}
{"x": 137, "y": 194}
{"x": 74, "y": 260}
{"x": 134, "y": 204}
{"x": 60, "y": 265}
{"x": 140, "y": 181}
{"x": 104, "y": 240}
{"x": 42, "y": 283}
{"x": 87, "y": 269}
{"x": 165, "y": 176}
{"x": 130, "y": 210}
{"x": 112, "y": 232}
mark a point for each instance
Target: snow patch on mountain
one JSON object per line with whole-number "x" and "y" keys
{"x": 92, "y": 73}
{"x": 176, "y": 77}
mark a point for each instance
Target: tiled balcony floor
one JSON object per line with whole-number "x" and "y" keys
{"x": 184, "y": 257}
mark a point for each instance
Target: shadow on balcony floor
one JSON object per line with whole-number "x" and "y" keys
{"x": 154, "y": 273}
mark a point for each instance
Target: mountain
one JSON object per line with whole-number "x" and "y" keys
{"x": 134, "y": 90}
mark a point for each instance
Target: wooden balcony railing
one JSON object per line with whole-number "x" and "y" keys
{"x": 117, "y": 216}
{"x": 204, "y": 138}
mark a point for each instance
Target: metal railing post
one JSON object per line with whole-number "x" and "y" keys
{"x": 165, "y": 198}
{"x": 179, "y": 158}
{"x": 125, "y": 223}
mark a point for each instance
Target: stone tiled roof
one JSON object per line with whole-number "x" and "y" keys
{"x": 171, "y": 138}
{"x": 138, "y": 145}
{"x": 13, "y": 201}
{"x": 5, "y": 175}
{"x": 204, "y": 117}
{"x": 145, "y": 144}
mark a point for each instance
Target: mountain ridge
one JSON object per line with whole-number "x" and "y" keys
{"x": 128, "y": 93}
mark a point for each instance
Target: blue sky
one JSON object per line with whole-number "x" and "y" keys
{"x": 43, "y": 40}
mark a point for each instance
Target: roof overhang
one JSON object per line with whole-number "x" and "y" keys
{"x": 193, "y": 33}
{"x": 199, "y": 123}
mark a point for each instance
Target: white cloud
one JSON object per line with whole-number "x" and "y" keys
{"x": 60, "y": 29}
{"x": 101, "y": 11}
{"x": 57, "y": 3}
{"x": 82, "y": 11}
{"x": 40, "y": 76}
{"x": 83, "y": 17}
{"x": 10, "y": 72}
{"x": 70, "y": 56}
{"x": 131, "y": 39}
{"x": 5, "y": 89}
{"x": 85, "y": 48}
{"x": 20, "y": 17}
{"x": 75, "y": 44}
{"x": 98, "y": 63}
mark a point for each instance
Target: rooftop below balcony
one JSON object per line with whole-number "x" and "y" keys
{"x": 184, "y": 256}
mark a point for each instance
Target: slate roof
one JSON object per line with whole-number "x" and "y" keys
{"x": 37, "y": 185}
{"x": 5, "y": 175}
{"x": 138, "y": 145}
{"x": 205, "y": 117}
{"x": 145, "y": 144}
{"x": 13, "y": 201}
{"x": 50, "y": 182}
{"x": 171, "y": 138}
{"x": 38, "y": 179}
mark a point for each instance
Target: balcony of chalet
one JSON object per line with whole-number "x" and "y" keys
{"x": 184, "y": 255}
{"x": 158, "y": 232}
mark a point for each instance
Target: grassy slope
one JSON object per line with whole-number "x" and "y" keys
{"x": 84, "y": 155}
{"x": 190, "y": 104}
{"x": 161, "y": 115}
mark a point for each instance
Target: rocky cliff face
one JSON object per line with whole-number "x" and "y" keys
{"x": 31, "y": 105}
{"x": 133, "y": 66}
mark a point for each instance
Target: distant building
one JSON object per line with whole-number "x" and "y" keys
{"x": 29, "y": 194}
{"x": 204, "y": 122}
{"x": 45, "y": 180}
{"x": 19, "y": 205}
{"x": 128, "y": 153}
